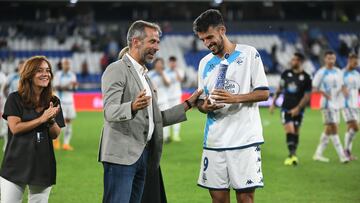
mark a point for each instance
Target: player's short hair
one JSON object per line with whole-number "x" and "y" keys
{"x": 137, "y": 30}
{"x": 300, "y": 56}
{"x": 207, "y": 19}
{"x": 352, "y": 56}
{"x": 329, "y": 52}
{"x": 172, "y": 58}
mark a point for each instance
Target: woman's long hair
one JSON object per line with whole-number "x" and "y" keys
{"x": 123, "y": 52}
{"x": 26, "y": 90}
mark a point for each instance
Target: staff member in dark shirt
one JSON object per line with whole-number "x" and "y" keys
{"x": 34, "y": 119}
{"x": 295, "y": 84}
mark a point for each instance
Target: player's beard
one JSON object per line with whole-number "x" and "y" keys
{"x": 219, "y": 46}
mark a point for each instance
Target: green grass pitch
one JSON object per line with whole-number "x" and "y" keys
{"x": 79, "y": 178}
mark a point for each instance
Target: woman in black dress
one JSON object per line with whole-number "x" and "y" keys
{"x": 34, "y": 119}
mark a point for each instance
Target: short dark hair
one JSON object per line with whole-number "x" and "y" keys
{"x": 207, "y": 19}
{"x": 328, "y": 52}
{"x": 172, "y": 58}
{"x": 300, "y": 56}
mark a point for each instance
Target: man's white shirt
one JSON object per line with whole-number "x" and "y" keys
{"x": 239, "y": 125}
{"x": 63, "y": 79}
{"x": 329, "y": 81}
{"x": 141, "y": 73}
{"x": 352, "y": 83}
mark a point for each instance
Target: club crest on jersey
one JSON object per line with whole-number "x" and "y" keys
{"x": 239, "y": 60}
{"x": 231, "y": 86}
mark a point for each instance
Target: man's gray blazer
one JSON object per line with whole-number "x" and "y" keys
{"x": 124, "y": 135}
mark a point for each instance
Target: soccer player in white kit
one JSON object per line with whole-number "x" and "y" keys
{"x": 233, "y": 132}
{"x": 176, "y": 76}
{"x": 350, "y": 111}
{"x": 328, "y": 81}
{"x": 161, "y": 83}
{"x": 11, "y": 85}
{"x": 3, "y": 126}
{"x": 65, "y": 84}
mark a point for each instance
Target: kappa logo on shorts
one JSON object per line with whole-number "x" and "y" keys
{"x": 257, "y": 149}
{"x": 259, "y": 171}
{"x": 204, "y": 178}
{"x": 249, "y": 182}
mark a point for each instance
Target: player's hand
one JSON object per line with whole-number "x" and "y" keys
{"x": 74, "y": 85}
{"x": 327, "y": 96}
{"x": 50, "y": 113}
{"x": 271, "y": 108}
{"x": 345, "y": 92}
{"x": 294, "y": 111}
{"x": 141, "y": 101}
{"x": 223, "y": 96}
{"x": 194, "y": 97}
{"x": 207, "y": 106}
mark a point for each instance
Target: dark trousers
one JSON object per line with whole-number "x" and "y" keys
{"x": 125, "y": 183}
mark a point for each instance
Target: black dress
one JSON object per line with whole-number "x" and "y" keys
{"x": 29, "y": 157}
{"x": 154, "y": 190}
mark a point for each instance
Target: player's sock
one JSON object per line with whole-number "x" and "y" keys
{"x": 166, "y": 132}
{"x": 324, "y": 141}
{"x": 291, "y": 143}
{"x": 338, "y": 147}
{"x": 296, "y": 141}
{"x": 349, "y": 136}
{"x": 176, "y": 132}
{"x": 67, "y": 133}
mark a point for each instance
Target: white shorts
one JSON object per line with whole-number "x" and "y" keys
{"x": 68, "y": 111}
{"x": 331, "y": 116}
{"x": 239, "y": 169}
{"x": 350, "y": 114}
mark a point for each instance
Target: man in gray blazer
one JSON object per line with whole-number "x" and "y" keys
{"x": 131, "y": 140}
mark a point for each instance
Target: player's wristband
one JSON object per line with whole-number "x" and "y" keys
{"x": 51, "y": 122}
{"x": 188, "y": 103}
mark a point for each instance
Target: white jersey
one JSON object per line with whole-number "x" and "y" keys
{"x": 239, "y": 125}
{"x": 2, "y": 96}
{"x": 3, "y": 80}
{"x": 352, "y": 83}
{"x": 159, "y": 85}
{"x": 174, "y": 89}
{"x": 329, "y": 81}
{"x": 65, "y": 80}
{"x": 13, "y": 82}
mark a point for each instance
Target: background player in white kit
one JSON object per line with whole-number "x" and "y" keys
{"x": 65, "y": 84}
{"x": 3, "y": 126}
{"x": 176, "y": 76}
{"x": 11, "y": 85}
{"x": 328, "y": 82}
{"x": 350, "y": 111}
{"x": 161, "y": 83}
{"x": 233, "y": 134}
